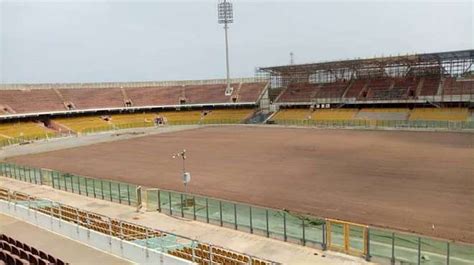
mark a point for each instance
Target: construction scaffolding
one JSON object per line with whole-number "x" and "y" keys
{"x": 453, "y": 64}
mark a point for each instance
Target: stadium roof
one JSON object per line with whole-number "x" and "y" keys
{"x": 391, "y": 61}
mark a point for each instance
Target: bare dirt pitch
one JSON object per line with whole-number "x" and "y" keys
{"x": 404, "y": 180}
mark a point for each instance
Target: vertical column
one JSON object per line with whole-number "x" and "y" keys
{"x": 220, "y": 213}
{"x": 235, "y": 216}
{"x": 169, "y": 197}
{"x": 182, "y": 205}
{"x": 207, "y": 210}
{"x": 159, "y": 201}
{"x": 194, "y": 210}
{"x": 250, "y": 217}
{"x": 119, "y": 193}
{"x": 367, "y": 244}
{"x": 419, "y": 250}
{"x": 128, "y": 194}
{"x": 303, "y": 232}
{"x": 266, "y": 218}
{"x": 102, "y": 188}
{"x": 393, "y": 248}
{"x": 326, "y": 235}
{"x": 447, "y": 253}
{"x": 284, "y": 227}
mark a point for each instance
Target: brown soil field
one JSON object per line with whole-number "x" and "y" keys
{"x": 403, "y": 180}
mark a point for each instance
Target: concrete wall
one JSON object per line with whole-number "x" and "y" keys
{"x": 112, "y": 245}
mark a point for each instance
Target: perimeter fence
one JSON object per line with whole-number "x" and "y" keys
{"x": 351, "y": 238}
{"x": 374, "y": 124}
{"x": 110, "y": 127}
{"x": 113, "y": 191}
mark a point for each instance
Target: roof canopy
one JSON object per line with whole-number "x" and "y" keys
{"x": 427, "y": 59}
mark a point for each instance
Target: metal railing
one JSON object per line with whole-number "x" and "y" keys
{"x": 153, "y": 239}
{"x": 111, "y": 127}
{"x": 372, "y": 243}
{"x": 380, "y": 124}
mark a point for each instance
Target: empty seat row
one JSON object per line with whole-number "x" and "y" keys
{"x": 12, "y": 101}
{"x": 22, "y": 253}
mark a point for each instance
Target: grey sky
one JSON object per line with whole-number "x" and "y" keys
{"x": 77, "y": 41}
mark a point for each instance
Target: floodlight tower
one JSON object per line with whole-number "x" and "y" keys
{"x": 225, "y": 16}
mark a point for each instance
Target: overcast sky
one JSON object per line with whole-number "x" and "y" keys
{"x": 78, "y": 41}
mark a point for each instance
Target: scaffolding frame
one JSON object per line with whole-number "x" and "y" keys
{"x": 444, "y": 64}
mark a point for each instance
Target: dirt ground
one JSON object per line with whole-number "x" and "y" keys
{"x": 411, "y": 181}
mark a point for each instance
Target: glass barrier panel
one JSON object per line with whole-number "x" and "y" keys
{"x": 176, "y": 203}
{"x": 406, "y": 248}
{"x": 294, "y": 228}
{"x": 259, "y": 221}
{"x": 461, "y": 254}
{"x": 433, "y": 251}
{"x": 380, "y": 243}
{"x": 201, "y": 210}
{"x": 188, "y": 206}
{"x": 214, "y": 211}
{"x": 228, "y": 217}
{"x": 276, "y": 224}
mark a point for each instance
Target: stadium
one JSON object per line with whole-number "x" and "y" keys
{"x": 357, "y": 161}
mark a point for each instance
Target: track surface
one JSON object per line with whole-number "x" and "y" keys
{"x": 404, "y": 180}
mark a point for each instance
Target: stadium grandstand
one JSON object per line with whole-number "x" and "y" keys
{"x": 416, "y": 92}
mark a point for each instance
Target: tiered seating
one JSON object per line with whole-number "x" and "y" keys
{"x": 379, "y": 89}
{"x": 202, "y": 255}
{"x": 393, "y": 114}
{"x": 430, "y": 86}
{"x": 81, "y": 124}
{"x": 451, "y": 86}
{"x": 24, "y": 129}
{"x": 200, "y": 94}
{"x": 299, "y": 93}
{"x": 356, "y": 88}
{"x": 234, "y": 115}
{"x": 60, "y": 99}
{"x": 331, "y": 90}
{"x": 100, "y": 223}
{"x": 14, "y": 252}
{"x": 441, "y": 114}
{"x": 145, "y": 118}
{"x": 249, "y": 92}
{"x": 177, "y": 117}
{"x": 406, "y": 86}
{"x": 31, "y": 101}
{"x": 292, "y": 114}
{"x": 152, "y": 96}
{"x": 334, "y": 114}
{"x": 93, "y": 98}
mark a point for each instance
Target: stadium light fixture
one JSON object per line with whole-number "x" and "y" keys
{"x": 225, "y": 15}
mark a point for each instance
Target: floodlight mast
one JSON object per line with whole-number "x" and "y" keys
{"x": 225, "y": 16}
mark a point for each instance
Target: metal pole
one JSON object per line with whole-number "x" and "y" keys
{"x": 227, "y": 56}
{"x": 393, "y": 248}
{"x": 304, "y": 232}
{"x": 447, "y": 253}
{"x": 266, "y": 218}
{"x": 250, "y": 216}
{"x": 284, "y": 226}
{"x": 419, "y": 250}
{"x": 159, "y": 201}
{"x": 207, "y": 210}
{"x": 235, "y": 216}
{"x": 220, "y": 213}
